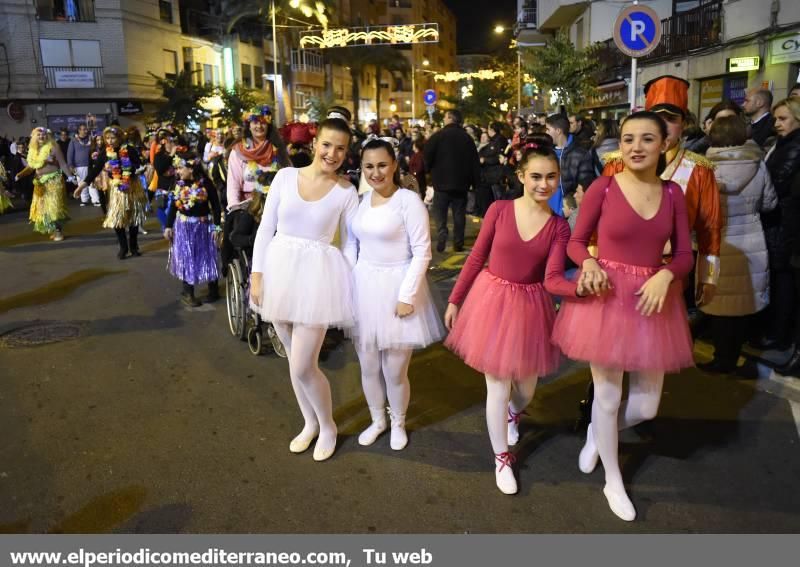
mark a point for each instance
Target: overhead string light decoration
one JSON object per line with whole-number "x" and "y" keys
{"x": 370, "y": 35}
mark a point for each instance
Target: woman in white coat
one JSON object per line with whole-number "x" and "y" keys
{"x": 394, "y": 310}
{"x": 745, "y": 191}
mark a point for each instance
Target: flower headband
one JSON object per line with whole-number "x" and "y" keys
{"x": 258, "y": 114}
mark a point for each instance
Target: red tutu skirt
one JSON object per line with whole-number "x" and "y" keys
{"x": 503, "y": 329}
{"x": 609, "y": 332}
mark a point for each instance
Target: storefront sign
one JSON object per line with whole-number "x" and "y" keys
{"x": 785, "y": 49}
{"x": 72, "y": 121}
{"x": 74, "y": 79}
{"x": 612, "y": 95}
{"x": 127, "y": 107}
{"x": 738, "y": 64}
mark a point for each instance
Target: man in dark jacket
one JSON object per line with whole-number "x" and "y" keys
{"x": 757, "y": 105}
{"x": 452, "y": 159}
{"x": 581, "y": 130}
{"x": 576, "y": 161}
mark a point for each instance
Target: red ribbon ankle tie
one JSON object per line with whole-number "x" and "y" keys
{"x": 506, "y": 459}
{"x": 514, "y": 416}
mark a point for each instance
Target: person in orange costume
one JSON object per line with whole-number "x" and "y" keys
{"x": 669, "y": 97}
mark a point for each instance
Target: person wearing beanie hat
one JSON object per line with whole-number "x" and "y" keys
{"x": 668, "y": 96}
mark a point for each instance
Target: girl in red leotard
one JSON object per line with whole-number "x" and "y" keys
{"x": 501, "y": 319}
{"x": 640, "y": 324}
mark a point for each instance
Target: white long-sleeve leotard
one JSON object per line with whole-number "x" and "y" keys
{"x": 285, "y": 212}
{"x": 397, "y": 231}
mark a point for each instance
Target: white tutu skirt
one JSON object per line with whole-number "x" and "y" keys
{"x": 306, "y": 282}
{"x": 377, "y": 327}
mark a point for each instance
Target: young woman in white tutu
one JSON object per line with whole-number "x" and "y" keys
{"x": 300, "y": 282}
{"x": 394, "y": 310}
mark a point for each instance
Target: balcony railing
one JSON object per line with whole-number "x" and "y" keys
{"x": 690, "y": 30}
{"x": 307, "y": 60}
{"x": 73, "y": 77}
{"x": 527, "y": 17}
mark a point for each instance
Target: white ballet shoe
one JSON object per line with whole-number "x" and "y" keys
{"x": 513, "y": 426}
{"x": 398, "y": 438}
{"x": 303, "y": 441}
{"x": 326, "y": 445}
{"x": 620, "y": 504}
{"x": 587, "y": 460}
{"x": 378, "y": 426}
{"x": 504, "y": 472}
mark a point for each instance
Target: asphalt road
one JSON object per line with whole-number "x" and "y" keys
{"x": 150, "y": 417}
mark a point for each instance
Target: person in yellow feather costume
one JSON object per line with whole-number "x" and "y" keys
{"x": 49, "y": 207}
{"x": 5, "y": 197}
{"x": 115, "y": 172}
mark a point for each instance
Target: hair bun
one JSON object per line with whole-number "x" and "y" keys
{"x": 340, "y": 113}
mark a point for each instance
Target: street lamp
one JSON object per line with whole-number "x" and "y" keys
{"x": 498, "y": 29}
{"x": 425, "y": 63}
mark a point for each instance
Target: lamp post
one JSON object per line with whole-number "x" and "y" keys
{"x": 425, "y": 63}
{"x": 499, "y": 30}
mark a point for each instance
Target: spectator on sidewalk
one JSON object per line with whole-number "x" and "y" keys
{"x": 757, "y": 104}
{"x": 79, "y": 153}
{"x": 452, "y": 159}
{"x": 581, "y": 130}
{"x": 576, "y": 164}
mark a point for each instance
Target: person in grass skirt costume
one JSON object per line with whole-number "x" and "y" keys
{"x": 500, "y": 319}
{"x": 193, "y": 228}
{"x": 115, "y": 172}
{"x": 640, "y": 322}
{"x": 394, "y": 310}
{"x": 300, "y": 282}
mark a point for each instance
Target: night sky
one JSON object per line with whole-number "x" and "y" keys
{"x": 476, "y": 21}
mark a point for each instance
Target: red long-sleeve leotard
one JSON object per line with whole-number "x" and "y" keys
{"x": 624, "y": 236}
{"x": 538, "y": 260}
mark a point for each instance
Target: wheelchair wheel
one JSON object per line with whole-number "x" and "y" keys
{"x": 255, "y": 341}
{"x": 277, "y": 345}
{"x": 236, "y": 301}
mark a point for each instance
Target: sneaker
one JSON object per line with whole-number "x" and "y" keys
{"x": 84, "y": 204}
{"x": 142, "y": 230}
{"x": 96, "y": 205}
{"x": 58, "y": 236}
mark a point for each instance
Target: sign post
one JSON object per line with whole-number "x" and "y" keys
{"x": 430, "y": 101}
{"x": 637, "y": 32}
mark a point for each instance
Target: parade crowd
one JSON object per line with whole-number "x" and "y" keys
{"x": 607, "y": 243}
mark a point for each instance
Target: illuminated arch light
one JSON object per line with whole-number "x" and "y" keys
{"x": 373, "y": 35}
{"x": 453, "y": 76}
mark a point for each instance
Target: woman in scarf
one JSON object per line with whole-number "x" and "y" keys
{"x": 256, "y": 158}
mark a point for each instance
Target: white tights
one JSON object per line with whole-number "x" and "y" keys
{"x": 499, "y": 393}
{"x": 311, "y": 387}
{"x": 393, "y": 365}
{"x": 609, "y": 415}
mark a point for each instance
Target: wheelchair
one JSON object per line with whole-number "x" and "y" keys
{"x": 244, "y": 323}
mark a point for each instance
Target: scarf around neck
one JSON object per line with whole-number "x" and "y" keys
{"x": 262, "y": 154}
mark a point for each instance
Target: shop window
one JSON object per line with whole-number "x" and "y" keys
{"x": 170, "y": 63}
{"x": 65, "y": 10}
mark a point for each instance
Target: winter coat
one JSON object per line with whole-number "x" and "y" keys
{"x": 745, "y": 190}
{"x": 577, "y": 168}
{"x": 783, "y": 162}
{"x": 490, "y": 154}
{"x": 452, "y": 160}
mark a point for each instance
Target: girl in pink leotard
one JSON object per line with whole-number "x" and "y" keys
{"x": 501, "y": 319}
{"x": 640, "y": 324}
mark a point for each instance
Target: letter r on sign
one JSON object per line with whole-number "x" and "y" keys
{"x": 637, "y": 29}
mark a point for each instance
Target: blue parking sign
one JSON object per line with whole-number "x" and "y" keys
{"x": 429, "y": 97}
{"x": 637, "y": 30}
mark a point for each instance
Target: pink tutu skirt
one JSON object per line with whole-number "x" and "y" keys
{"x": 503, "y": 329}
{"x": 609, "y": 332}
